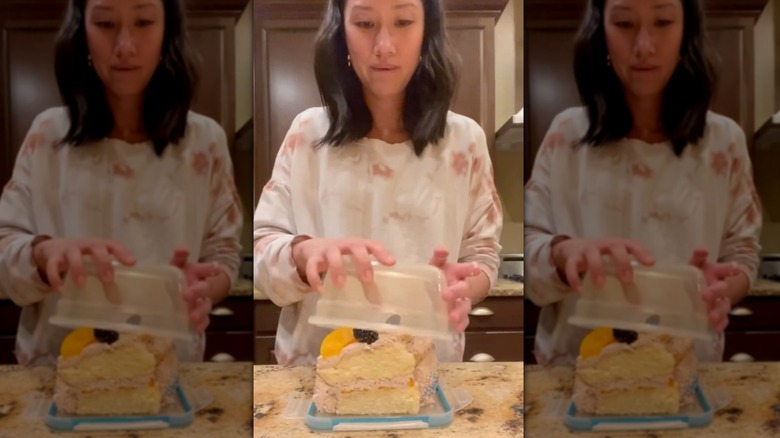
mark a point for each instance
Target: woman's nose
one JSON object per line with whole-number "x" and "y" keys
{"x": 644, "y": 45}
{"x": 125, "y": 45}
{"x": 384, "y": 42}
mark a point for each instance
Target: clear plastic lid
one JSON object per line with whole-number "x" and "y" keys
{"x": 662, "y": 299}
{"x": 403, "y": 299}
{"x": 144, "y": 299}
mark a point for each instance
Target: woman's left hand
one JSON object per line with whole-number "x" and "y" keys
{"x": 715, "y": 293}
{"x": 197, "y": 293}
{"x": 457, "y": 292}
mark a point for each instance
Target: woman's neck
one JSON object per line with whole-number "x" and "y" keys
{"x": 647, "y": 122}
{"x": 387, "y": 117}
{"x": 128, "y": 120}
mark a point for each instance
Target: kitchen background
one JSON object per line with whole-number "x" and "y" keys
{"x": 746, "y": 34}
{"x": 221, "y": 34}
{"x": 488, "y": 36}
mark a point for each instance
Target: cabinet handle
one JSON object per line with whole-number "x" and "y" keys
{"x": 741, "y": 357}
{"x": 482, "y": 357}
{"x": 221, "y": 311}
{"x": 222, "y": 357}
{"x": 740, "y": 311}
{"x": 481, "y": 311}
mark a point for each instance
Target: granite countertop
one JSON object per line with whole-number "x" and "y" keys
{"x": 765, "y": 288}
{"x": 496, "y": 411}
{"x": 228, "y": 415}
{"x": 502, "y": 288}
{"x": 753, "y": 411}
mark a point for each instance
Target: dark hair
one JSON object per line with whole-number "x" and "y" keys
{"x": 428, "y": 94}
{"x": 686, "y": 98}
{"x": 167, "y": 97}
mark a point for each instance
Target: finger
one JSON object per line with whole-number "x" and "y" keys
{"x": 699, "y": 257}
{"x": 381, "y": 254}
{"x": 199, "y": 315}
{"x": 573, "y": 273}
{"x": 362, "y": 262}
{"x": 640, "y": 254}
{"x": 202, "y": 271}
{"x": 75, "y": 265}
{"x": 314, "y": 266}
{"x": 102, "y": 259}
{"x": 622, "y": 263}
{"x": 439, "y": 257}
{"x": 195, "y": 291}
{"x": 335, "y": 266}
{"x": 595, "y": 265}
{"x": 53, "y": 270}
{"x": 121, "y": 253}
{"x": 461, "y": 271}
{"x": 179, "y": 258}
{"x": 714, "y": 291}
{"x": 455, "y": 292}
{"x": 722, "y": 271}
{"x": 460, "y": 316}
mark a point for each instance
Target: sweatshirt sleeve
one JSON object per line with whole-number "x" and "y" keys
{"x": 19, "y": 277}
{"x": 275, "y": 272}
{"x": 544, "y": 284}
{"x": 225, "y": 220}
{"x": 740, "y": 242}
{"x": 484, "y": 222}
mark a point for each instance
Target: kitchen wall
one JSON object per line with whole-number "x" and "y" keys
{"x": 508, "y": 165}
{"x": 244, "y": 143}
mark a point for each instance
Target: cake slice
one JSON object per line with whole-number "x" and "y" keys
{"x": 102, "y": 372}
{"x": 621, "y": 372}
{"x": 361, "y": 372}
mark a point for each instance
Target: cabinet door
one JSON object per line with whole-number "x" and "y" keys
{"x": 285, "y": 83}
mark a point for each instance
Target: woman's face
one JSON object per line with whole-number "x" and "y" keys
{"x": 643, "y": 41}
{"x": 384, "y": 39}
{"x": 125, "y": 39}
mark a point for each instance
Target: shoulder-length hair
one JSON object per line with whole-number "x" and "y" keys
{"x": 687, "y": 96}
{"x": 167, "y": 98}
{"x": 428, "y": 94}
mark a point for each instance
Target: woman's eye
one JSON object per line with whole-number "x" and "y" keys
{"x": 624, "y": 24}
{"x": 105, "y": 24}
{"x": 663, "y": 23}
{"x": 144, "y": 23}
{"x": 403, "y": 23}
{"x": 364, "y": 24}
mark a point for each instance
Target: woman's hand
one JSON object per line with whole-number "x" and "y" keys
{"x": 715, "y": 293}
{"x": 197, "y": 295}
{"x": 457, "y": 292}
{"x": 55, "y": 258}
{"x": 574, "y": 257}
{"x": 314, "y": 257}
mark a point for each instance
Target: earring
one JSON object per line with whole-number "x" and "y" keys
{"x": 349, "y": 61}
{"x": 609, "y": 61}
{"x": 89, "y": 60}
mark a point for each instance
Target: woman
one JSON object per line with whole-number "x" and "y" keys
{"x": 644, "y": 170}
{"x": 383, "y": 170}
{"x": 121, "y": 172}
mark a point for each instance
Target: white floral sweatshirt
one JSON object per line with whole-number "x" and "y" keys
{"x": 635, "y": 190}
{"x": 115, "y": 190}
{"x": 374, "y": 190}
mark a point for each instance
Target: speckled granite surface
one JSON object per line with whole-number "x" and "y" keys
{"x": 754, "y": 410}
{"x": 229, "y": 414}
{"x": 495, "y": 412}
{"x": 765, "y": 288}
{"x": 503, "y": 288}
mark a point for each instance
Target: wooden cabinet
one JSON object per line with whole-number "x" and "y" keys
{"x": 753, "y": 333}
{"x": 550, "y": 28}
{"x": 494, "y": 334}
{"x": 28, "y": 85}
{"x": 9, "y": 321}
{"x": 284, "y": 33}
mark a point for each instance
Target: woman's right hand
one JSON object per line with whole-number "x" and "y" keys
{"x": 56, "y": 257}
{"x": 574, "y": 257}
{"x": 315, "y": 256}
